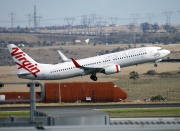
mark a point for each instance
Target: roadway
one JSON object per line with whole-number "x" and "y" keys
{"x": 94, "y": 106}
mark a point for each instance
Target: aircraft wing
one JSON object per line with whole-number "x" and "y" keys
{"x": 87, "y": 69}
{"x": 83, "y": 67}
{"x": 63, "y": 57}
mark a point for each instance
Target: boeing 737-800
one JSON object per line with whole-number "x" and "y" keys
{"x": 107, "y": 64}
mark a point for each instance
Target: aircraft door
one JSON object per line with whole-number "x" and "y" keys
{"x": 151, "y": 52}
{"x": 43, "y": 74}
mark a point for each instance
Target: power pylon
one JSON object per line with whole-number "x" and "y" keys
{"x": 150, "y": 17}
{"x": 70, "y": 21}
{"x": 114, "y": 23}
{"x": 35, "y": 17}
{"x": 135, "y": 17}
{"x": 29, "y": 20}
{"x": 168, "y": 17}
{"x": 12, "y": 19}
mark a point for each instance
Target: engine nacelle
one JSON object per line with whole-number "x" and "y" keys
{"x": 112, "y": 69}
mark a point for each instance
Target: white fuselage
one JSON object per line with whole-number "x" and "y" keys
{"x": 122, "y": 58}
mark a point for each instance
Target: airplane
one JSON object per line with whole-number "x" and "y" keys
{"x": 106, "y": 64}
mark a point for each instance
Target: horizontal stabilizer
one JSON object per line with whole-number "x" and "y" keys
{"x": 23, "y": 73}
{"x": 14, "y": 72}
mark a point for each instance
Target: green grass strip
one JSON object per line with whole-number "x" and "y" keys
{"x": 14, "y": 113}
{"x": 143, "y": 112}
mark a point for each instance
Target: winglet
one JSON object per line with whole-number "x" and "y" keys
{"x": 63, "y": 57}
{"x": 75, "y": 63}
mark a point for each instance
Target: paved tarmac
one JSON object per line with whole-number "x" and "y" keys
{"x": 108, "y": 106}
{"x": 141, "y": 127}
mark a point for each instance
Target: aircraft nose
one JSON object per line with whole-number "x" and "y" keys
{"x": 166, "y": 52}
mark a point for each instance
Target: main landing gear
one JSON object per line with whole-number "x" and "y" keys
{"x": 93, "y": 77}
{"x": 155, "y": 65}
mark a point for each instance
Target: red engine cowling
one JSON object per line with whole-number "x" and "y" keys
{"x": 112, "y": 69}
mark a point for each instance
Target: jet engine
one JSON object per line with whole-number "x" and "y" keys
{"x": 111, "y": 69}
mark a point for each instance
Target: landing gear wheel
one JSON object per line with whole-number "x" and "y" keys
{"x": 93, "y": 77}
{"x": 155, "y": 65}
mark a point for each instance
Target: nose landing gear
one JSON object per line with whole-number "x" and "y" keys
{"x": 155, "y": 65}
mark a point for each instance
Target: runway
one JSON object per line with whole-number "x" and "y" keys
{"x": 90, "y": 106}
{"x": 135, "y": 127}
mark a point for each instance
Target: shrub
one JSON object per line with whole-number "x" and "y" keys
{"x": 151, "y": 72}
{"x": 157, "y": 98}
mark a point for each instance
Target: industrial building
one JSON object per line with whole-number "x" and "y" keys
{"x": 74, "y": 92}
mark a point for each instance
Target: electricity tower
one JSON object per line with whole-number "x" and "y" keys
{"x": 132, "y": 28}
{"x": 168, "y": 17}
{"x": 114, "y": 23}
{"x": 12, "y": 19}
{"x": 150, "y": 17}
{"x": 29, "y": 20}
{"x": 86, "y": 22}
{"x": 135, "y": 17}
{"x": 35, "y": 17}
{"x": 70, "y": 21}
{"x": 39, "y": 19}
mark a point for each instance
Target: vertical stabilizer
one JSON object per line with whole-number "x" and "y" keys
{"x": 24, "y": 62}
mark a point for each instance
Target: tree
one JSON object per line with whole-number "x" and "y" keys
{"x": 133, "y": 75}
{"x": 155, "y": 26}
{"x": 107, "y": 51}
{"x": 145, "y": 27}
{"x": 170, "y": 29}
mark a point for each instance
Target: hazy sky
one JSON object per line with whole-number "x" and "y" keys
{"x": 53, "y": 12}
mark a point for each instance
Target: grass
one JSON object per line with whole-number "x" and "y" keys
{"x": 147, "y": 86}
{"x": 143, "y": 112}
{"x": 14, "y": 113}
